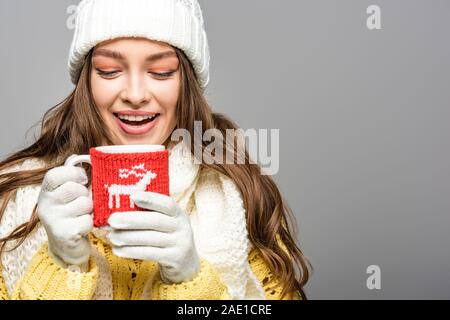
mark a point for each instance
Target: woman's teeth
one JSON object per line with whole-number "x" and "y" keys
{"x": 136, "y": 118}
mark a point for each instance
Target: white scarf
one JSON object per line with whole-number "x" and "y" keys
{"x": 217, "y": 219}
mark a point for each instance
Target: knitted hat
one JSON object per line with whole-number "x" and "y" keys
{"x": 176, "y": 22}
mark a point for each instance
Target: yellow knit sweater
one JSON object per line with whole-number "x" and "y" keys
{"x": 46, "y": 280}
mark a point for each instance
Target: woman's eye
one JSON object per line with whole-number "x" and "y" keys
{"x": 163, "y": 75}
{"x": 111, "y": 74}
{"x": 106, "y": 74}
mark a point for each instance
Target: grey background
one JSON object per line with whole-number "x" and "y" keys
{"x": 363, "y": 118}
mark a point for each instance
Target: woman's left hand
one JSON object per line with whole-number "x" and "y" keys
{"x": 162, "y": 234}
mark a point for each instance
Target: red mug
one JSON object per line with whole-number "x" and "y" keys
{"x": 119, "y": 171}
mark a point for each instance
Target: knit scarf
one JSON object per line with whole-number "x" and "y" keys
{"x": 217, "y": 217}
{"x": 218, "y": 221}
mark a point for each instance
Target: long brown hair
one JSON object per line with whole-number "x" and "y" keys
{"x": 75, "y": 125}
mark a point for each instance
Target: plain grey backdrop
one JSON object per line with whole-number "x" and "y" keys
{"x": 363, "y": 118}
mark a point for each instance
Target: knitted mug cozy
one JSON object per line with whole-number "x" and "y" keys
{"x": 115, "y": 176}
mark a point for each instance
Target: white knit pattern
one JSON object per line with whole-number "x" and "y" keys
{"x": 217, "y": 219}
{"x": 195, "y": 9}
{"x": 116, "y": 190}
{"x": 220, "y": 234}
{"x": 17, "y": 212}
{"x": 176, "y": 22}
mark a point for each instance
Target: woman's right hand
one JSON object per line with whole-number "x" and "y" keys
{"x": 64, "y": 209}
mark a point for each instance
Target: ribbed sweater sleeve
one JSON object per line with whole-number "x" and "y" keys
{"x": 205, "y": 286}
{"x": 47, "y": 280}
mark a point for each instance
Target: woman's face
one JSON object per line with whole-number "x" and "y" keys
{"x": 135, "y": 84}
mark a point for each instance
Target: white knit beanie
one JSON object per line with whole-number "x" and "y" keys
{"x": 176, "y": 22}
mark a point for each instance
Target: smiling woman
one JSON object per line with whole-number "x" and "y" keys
{"x": 225, "y": 231}
{"x": 136, "y": 92}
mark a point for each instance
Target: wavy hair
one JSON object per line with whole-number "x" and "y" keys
{"x": 75, "y": 125}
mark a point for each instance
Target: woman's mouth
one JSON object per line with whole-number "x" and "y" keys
{"x": 136, "y": 125}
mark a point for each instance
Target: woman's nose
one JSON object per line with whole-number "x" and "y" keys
{"x": 136, "y": 91}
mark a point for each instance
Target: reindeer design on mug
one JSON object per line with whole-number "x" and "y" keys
{"x": 116, "y": 190}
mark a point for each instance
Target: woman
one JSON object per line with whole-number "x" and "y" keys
{"x": 224, "y": 231}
